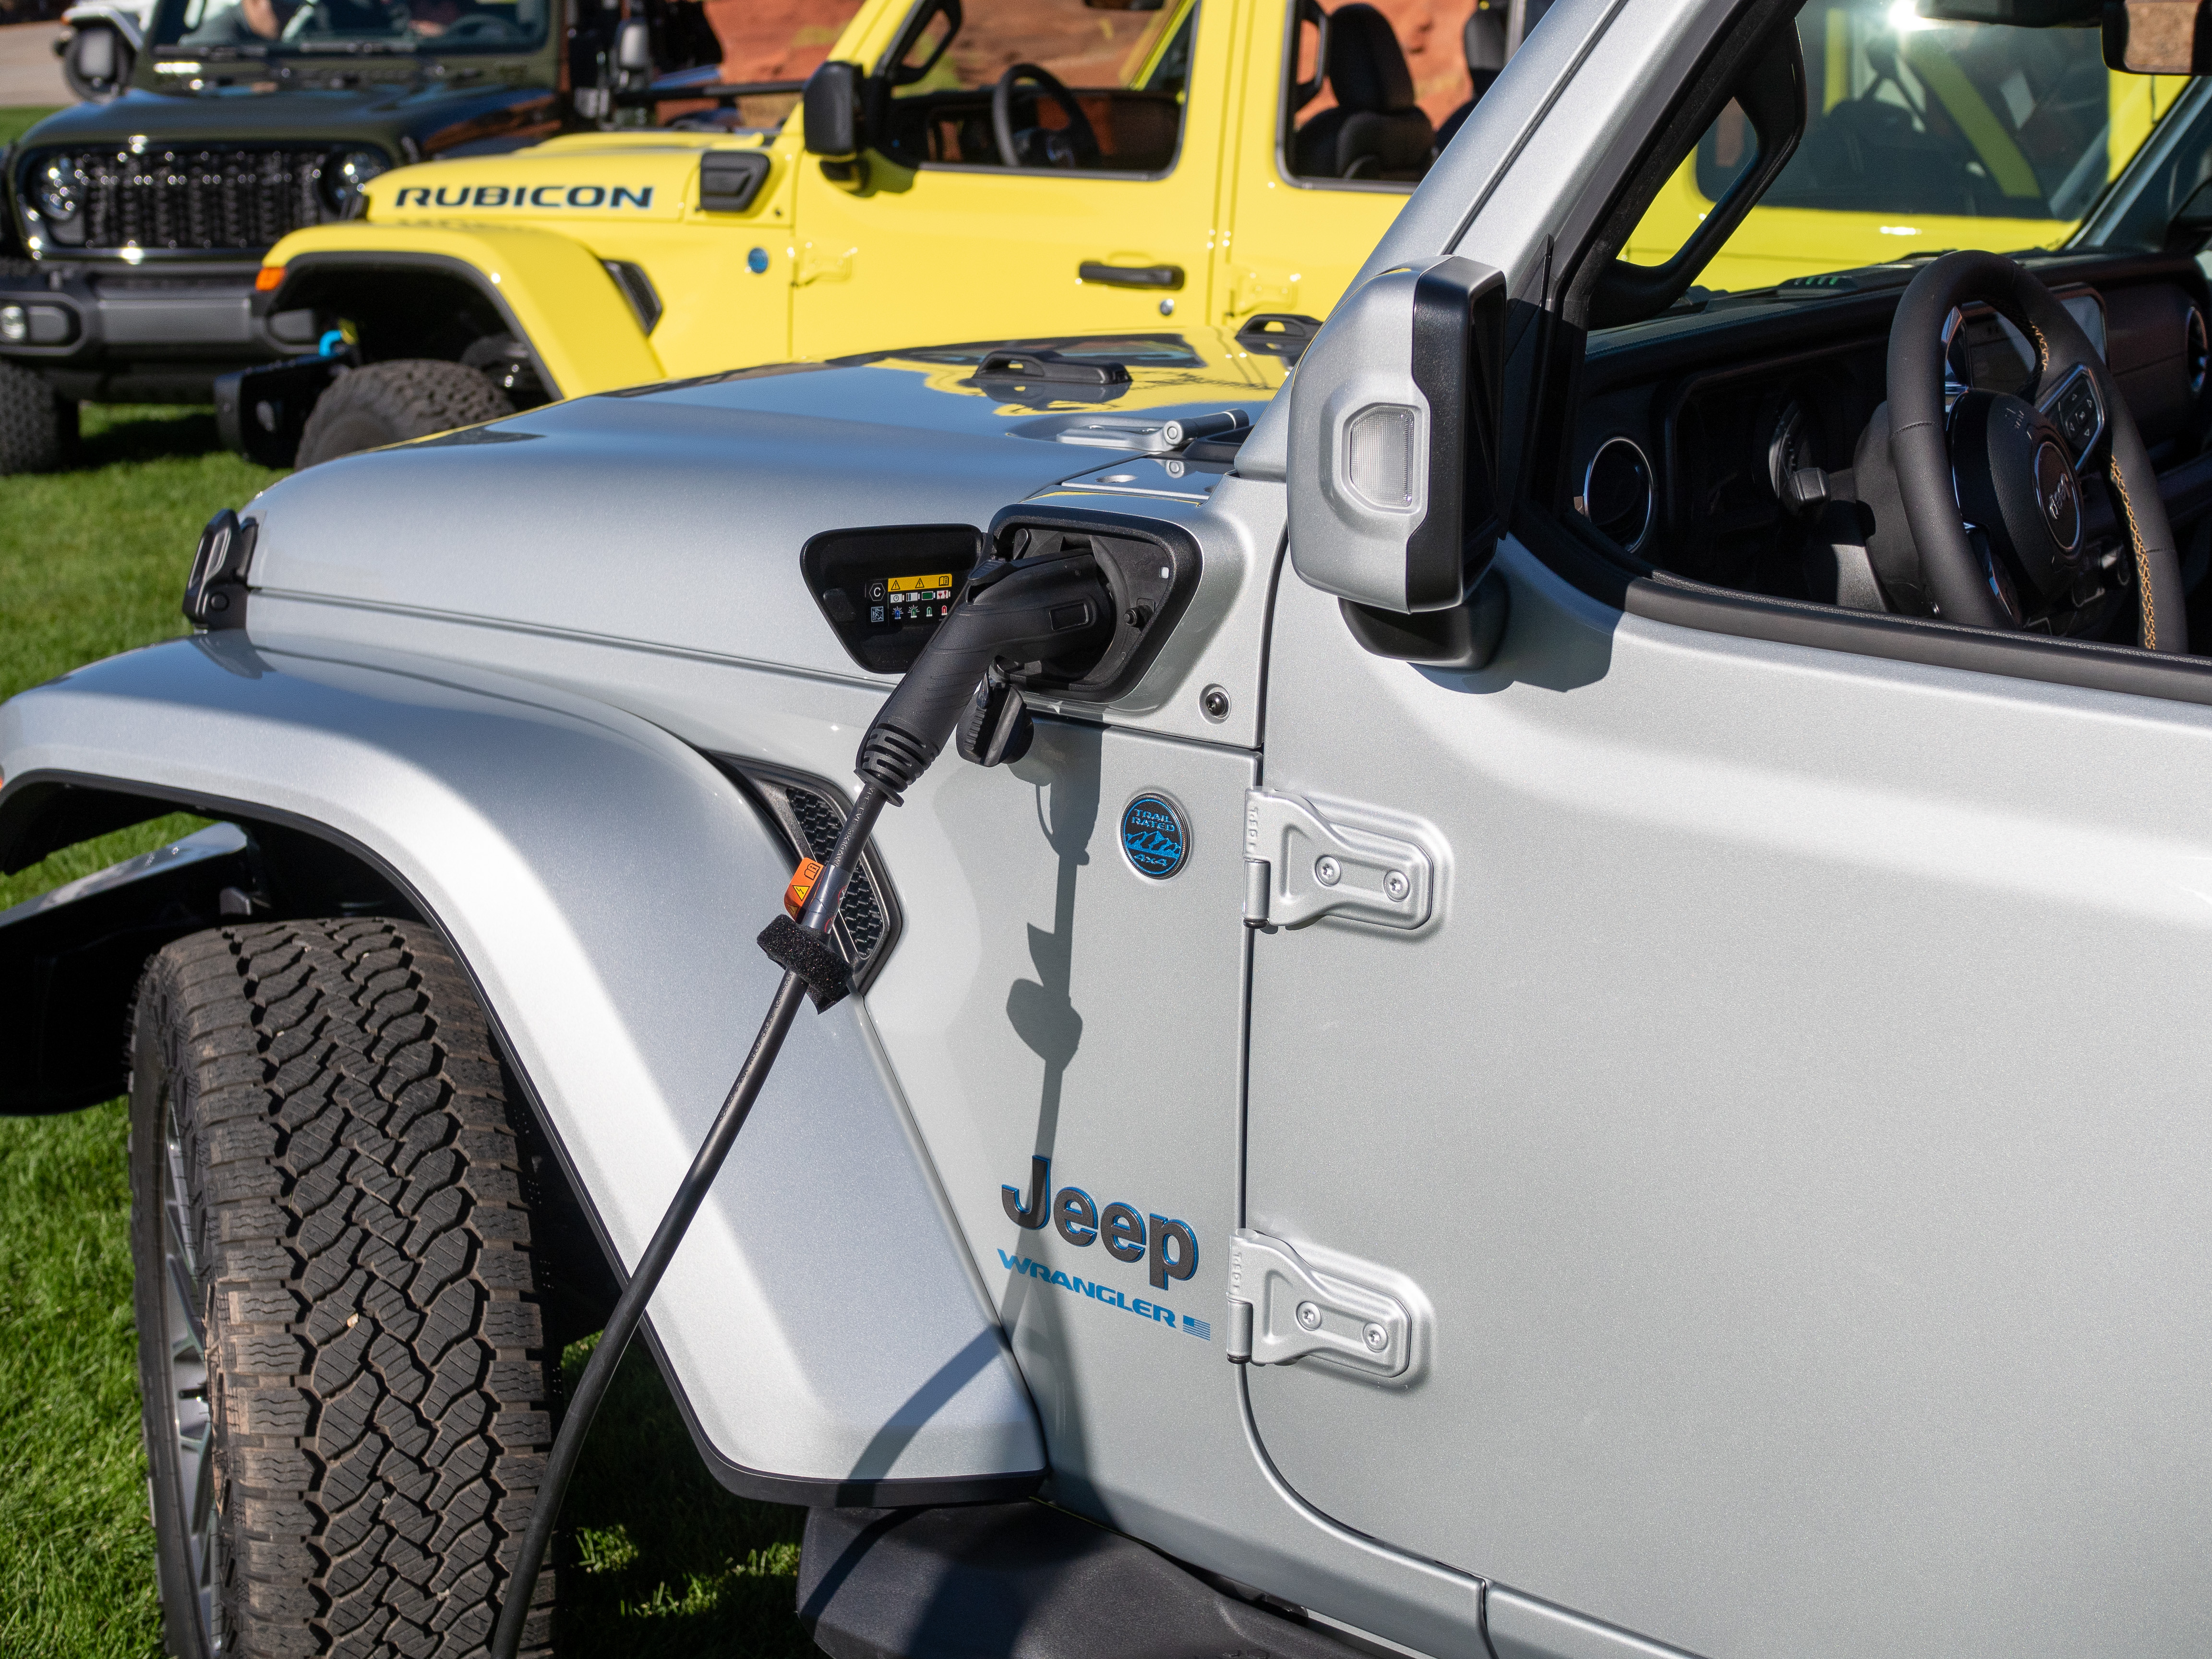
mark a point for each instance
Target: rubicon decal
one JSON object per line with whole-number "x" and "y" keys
{"x": 1168, "y": 1245}
{"x": 525, "y": 196}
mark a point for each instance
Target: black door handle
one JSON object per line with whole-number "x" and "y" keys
{"x": 1093, "y": 270}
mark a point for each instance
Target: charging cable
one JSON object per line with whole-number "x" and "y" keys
{"x": 1037, "y": 610}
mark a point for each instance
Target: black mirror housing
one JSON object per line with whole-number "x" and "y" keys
{"x": 1395, "y": 410}
{"x": 830, "y": 111}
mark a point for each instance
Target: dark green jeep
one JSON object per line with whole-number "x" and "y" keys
{"x": 138, "y": 224}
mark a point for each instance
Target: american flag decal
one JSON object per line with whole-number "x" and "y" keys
{"x": 1201, "y": 1328}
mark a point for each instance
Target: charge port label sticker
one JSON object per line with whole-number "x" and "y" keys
{"x": 525, "y": 196}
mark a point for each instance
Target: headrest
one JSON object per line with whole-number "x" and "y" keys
{"x": 1483, "y": 39}
{"x": 1366, "y": 67}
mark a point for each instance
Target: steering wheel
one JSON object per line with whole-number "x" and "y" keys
{"x": 1074, "y": 145}
{"x": 1990, "y": 485}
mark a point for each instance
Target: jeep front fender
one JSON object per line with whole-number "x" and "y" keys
{"x": 553, "y": 293}
{"x": 603, "y": 883}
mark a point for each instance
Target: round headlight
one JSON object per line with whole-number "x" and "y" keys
{"x": 58, "y": 192}
{"x": 346, "y": 175}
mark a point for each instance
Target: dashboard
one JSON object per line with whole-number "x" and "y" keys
{"x": 1705, "y": 439}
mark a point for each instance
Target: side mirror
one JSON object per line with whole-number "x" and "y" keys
{"x": 830, "y": 111}
{"x": 634, "y": 47}
{"x": 92, "y": 51}
{"x": 1392, "y": 466}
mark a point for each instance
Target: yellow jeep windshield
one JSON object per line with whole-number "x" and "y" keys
{"x": 1919, "y": 137}
{"x": 1082, "y": 43}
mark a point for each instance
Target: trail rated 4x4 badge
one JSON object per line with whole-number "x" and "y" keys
{"x": 1154, "y": 838}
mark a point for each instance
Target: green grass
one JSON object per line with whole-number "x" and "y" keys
{"x": 665, "y": 1562}
{"x": 77, "y": 1555}
{"x": 94, "y": 560}
{"x": 18, "y": 120}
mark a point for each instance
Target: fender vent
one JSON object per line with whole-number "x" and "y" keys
{"x": 637, "y": 287}
{"x": 809, "y": 814}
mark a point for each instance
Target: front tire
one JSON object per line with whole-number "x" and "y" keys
{"x": 390, "y": 403}
{"x": 38, "y": 425}
{"x": 341, "y": 1351}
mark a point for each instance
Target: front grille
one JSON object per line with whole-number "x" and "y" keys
{"x": 229, "y": 199}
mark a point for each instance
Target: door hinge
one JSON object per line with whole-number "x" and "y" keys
{"x": 818, "y": 265}
{"x": 1261, "y": 290}
{"x": 1303, "y": 860}
{"x": 1281, "y": 1308}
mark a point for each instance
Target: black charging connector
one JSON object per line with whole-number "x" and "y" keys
{"x": 1053, "y": 609}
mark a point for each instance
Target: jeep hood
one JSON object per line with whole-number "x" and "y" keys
{"x": 673, "y": 515}
{"x": 407, "y": 116}
{"x": 655, "y": 167}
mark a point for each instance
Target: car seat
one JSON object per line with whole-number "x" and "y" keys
{"x": 1375, "y": 130}
{"x": 1483, "y": 41}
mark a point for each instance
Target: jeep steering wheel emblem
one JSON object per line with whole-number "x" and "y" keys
{"x": 2058, "y": 495}
{"x": 1153, "y": 838}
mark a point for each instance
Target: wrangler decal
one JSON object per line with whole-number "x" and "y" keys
{"x": 1201, "y": 1328}
{"x": 527, "y": 195}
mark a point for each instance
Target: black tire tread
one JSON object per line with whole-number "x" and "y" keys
{"x": 390, "y": 403}
{"x": 38, "y": 425}
{"x": 373, "y": 1329}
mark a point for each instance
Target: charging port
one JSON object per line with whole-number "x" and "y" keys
{"x": 1151, "y": 568}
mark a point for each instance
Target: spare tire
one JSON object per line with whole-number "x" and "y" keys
{"x": 390, "y": 402}
{"x": 341, "y": 1347}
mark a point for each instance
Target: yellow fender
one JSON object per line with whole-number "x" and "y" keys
{"x": 556, "y": 295}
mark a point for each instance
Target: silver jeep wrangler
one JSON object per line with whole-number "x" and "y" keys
{"x": 1554, "y": 1032}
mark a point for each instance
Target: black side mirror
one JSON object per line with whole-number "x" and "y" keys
{"x": 634, "y": 47}
{"x": 830, "y": 111}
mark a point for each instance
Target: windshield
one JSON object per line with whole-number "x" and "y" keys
{"x": 308, "y": 26}
{"x": 1094, "y": 84}
{"x": 1920, "y": 137}
{"x": 1079, "y": 43}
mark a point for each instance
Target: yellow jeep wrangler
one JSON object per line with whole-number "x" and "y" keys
{"x": 988, "y": 169}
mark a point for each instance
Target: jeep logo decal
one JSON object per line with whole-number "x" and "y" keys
{"x": 1171, "y": 1245}
{"x": 525, "y": 196}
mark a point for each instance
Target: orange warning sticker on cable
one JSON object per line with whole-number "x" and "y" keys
{"x": 802, "y": 884}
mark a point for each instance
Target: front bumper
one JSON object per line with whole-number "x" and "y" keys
{"x": 98, "y": 322}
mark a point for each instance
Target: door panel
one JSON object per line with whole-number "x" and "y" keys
{"x": 946, "y": 253}
{"x": 1294, "y": 246}
{"x": 1795, "y": 1119}
{"x": 1049, "y": 1001}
